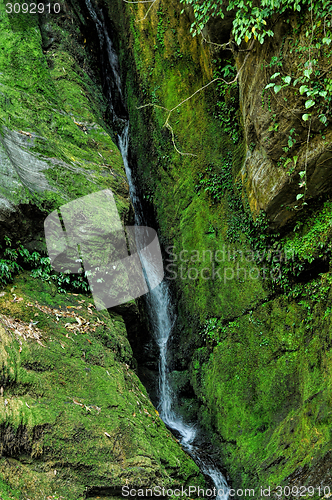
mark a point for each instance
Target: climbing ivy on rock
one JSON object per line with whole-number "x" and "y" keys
{"x": 16, "y": 258}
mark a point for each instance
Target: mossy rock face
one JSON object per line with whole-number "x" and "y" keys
{"x": 265, "y": 388}
{"x": 281, "y": 143}
{"x": 167, "y": 65}
{"x": 75, "y": 418}
{"x": 54, "y": 142}
{"x": 75, "y": 421}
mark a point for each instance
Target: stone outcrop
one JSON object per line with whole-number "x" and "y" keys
{"x": 270, "y": 174}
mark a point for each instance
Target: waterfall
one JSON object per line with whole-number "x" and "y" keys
{"x": 162, "y": 318}
{"x": 159, "y": 304}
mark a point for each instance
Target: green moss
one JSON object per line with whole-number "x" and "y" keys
{"x": 8, "y": 493}
{"x": 67, "y": 381}
{"x": 262, "y": 374}
{"x": 311, "y": 239}
{"x": 47, "y": 94}
{"x": 269, "y": 407}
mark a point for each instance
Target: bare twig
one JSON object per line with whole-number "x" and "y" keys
{"x": 219, "y": 45}
{"x": 207, "y": 85}
{"x": 147, "y": 12}
{"x": 151, "y": 104}
{"x": 170, "y": 111}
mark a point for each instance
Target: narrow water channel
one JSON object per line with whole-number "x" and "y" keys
{"x": 160, "y": 308}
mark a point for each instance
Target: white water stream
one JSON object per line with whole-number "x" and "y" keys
{"x": 159, "y": 303}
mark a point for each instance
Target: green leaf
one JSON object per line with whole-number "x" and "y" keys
{"x": 305, "y": 117}
{"x": 287, "y": 79}
{"x": 309, "y": 103}
{"x": 277, "y": 88}
{"x": 303, "y": 89}
{"x": 274, "y": 76}
{"x": 269, "y": 85}
{"x": 302, "y": 173}
{"x": 299, "y": 196}
{"x": 323, "y": 119}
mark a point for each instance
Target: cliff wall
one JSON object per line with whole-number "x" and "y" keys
{"x": 252, "y": 347}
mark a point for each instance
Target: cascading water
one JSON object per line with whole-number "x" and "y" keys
{"x": 159, "y": 304}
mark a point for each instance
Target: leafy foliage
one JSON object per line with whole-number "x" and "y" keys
{"x": 227, "y": 103}
{"x": 308, "y": 82}
{"x": 307, "y": 79}
{"x": 214, "y": 183}
{"x": 250, "y": 17}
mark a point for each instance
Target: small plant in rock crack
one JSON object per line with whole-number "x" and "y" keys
{"x": 274, "y": 125}
{"x": 215, "y": 183}
{"x": 291, "y": 141}
{"x": 302, "y": 184}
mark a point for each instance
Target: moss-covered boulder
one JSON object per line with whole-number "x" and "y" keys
{"x": 75, "y": 418}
